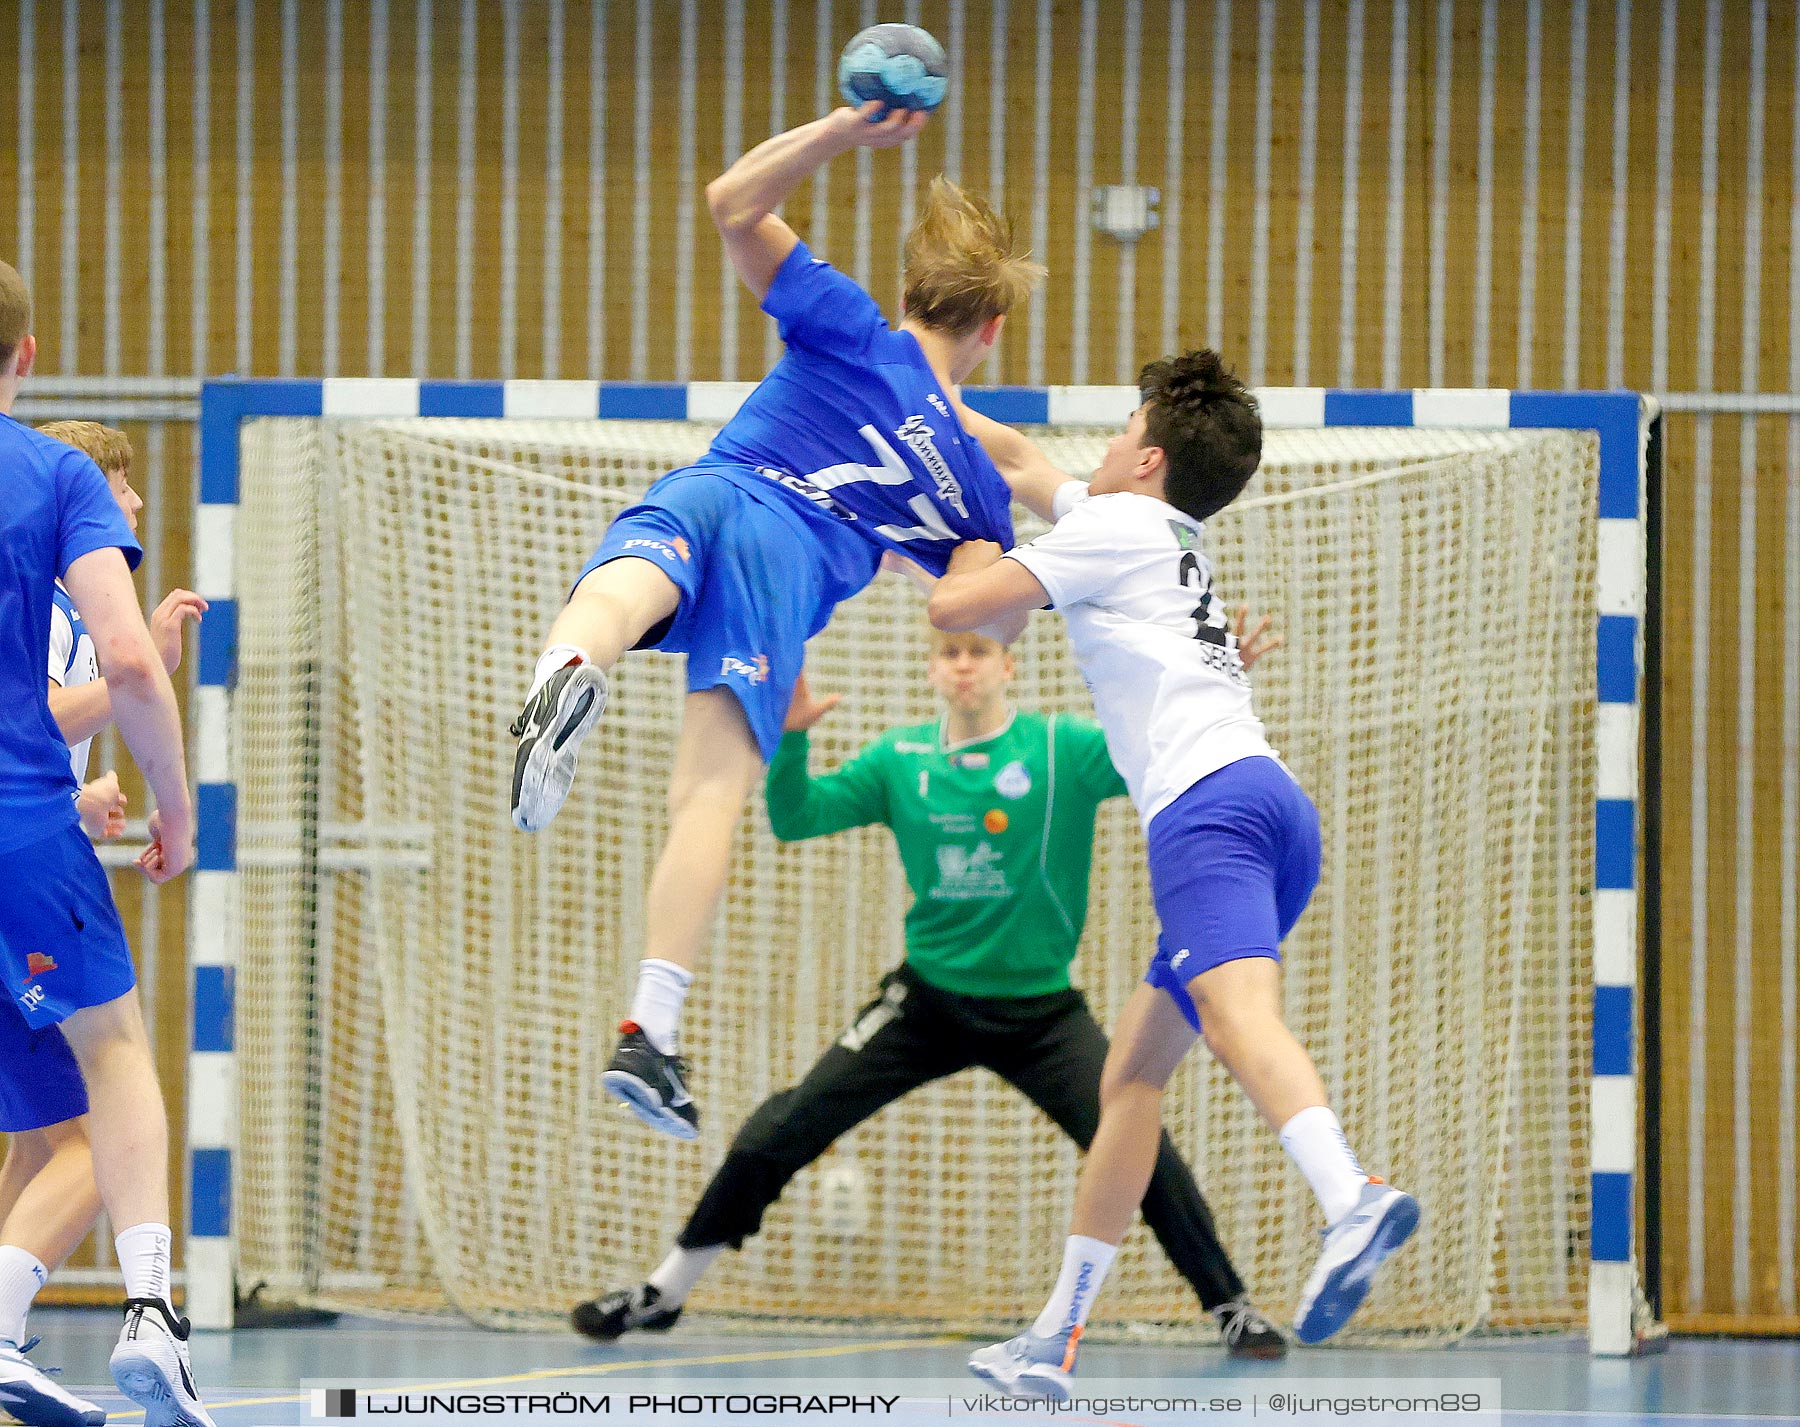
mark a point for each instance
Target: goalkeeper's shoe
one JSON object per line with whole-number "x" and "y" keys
{"x": 150, "y": 1364}
{"x": 626, "y": 1311}
{"x": 1029, "y": 1366}
{"x": 27, "y": 1392}
{"x": 1354, "y": 1247}
{"x": 652, "y": 1085}
{"x": 550, "y": 729}
{"x": 1246, "y": 1333}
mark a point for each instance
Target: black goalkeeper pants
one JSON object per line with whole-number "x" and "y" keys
{"x": 1049, "y": 1047}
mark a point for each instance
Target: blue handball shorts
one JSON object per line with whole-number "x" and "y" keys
{"x": 1233, "y": 862}
{"x": 754, "y": 583}
{"x": 62, "y": 948}
{"x": 40, "y": 1084}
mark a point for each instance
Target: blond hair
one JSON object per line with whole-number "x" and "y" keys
{"x": 936, "y": 639}
{"x": 962, "y": 267}
{"x": 15, "y": 311}
{"x": 110, "y": 449}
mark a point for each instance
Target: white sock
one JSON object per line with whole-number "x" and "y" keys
{"x": 1085, "y": 1262}
{"x": 676, "y": 1275}
{"x": 662, "y": 987}
{"x": 557, "y": 656}
{"x": 144, "y": 1260}
{"x": 1315, "y": 1140}
{"x": 21, "y": 1276}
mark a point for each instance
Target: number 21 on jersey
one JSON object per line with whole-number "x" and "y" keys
{"x": 1198, "y": 579}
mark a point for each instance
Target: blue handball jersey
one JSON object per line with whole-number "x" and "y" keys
{"x": 55, "y": 507}
{"x": 853, "y": 420}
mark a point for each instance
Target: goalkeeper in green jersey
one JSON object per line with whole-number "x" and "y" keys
{"x": 993, "y": 812}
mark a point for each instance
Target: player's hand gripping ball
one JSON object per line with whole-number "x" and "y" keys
{"x": 900, "y": 65}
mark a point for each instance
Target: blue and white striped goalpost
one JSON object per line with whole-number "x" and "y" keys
{"x": 1621, "y": 419}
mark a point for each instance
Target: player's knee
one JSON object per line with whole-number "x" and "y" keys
{"x": 1124, "y": 1078}
{"x": 69, "y": 1137}
{"x": 766, "y": 1126}
{"x": 721, "y": 794}
{"x": 27, "y": 1152}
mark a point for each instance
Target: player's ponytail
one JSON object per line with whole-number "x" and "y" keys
{"x": 962, "y": 265}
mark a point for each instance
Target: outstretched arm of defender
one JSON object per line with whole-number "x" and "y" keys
{"x": 1028, "y": 471}
{"x": 84, "y": 710}
{"x": 143, "y": 703}
{"x": 1002, "y": 631}
{"x": 744, "y": 198}
{"x": 984, "y": 589}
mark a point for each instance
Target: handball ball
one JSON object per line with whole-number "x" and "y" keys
{"x": 900, "y": 65}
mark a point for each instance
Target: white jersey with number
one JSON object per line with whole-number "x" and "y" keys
{"x": 72, "y": 662}
{"x": 1127, "y": 573}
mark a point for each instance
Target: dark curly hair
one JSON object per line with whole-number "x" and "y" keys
{"x": 1208, "y": 427}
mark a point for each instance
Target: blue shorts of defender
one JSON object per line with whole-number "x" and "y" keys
{"x": 62, "y": 949}
{"x": 1233, "y": 863}
{"x": 756, "y": 580}
{"x": 40, "y": 1083}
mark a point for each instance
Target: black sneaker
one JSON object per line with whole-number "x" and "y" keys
{"x": 1247, "y": 1334}
{"x": 625, "y": 1311}
{"x": 652, "y": 1085}
{"x": 550, "y": 729}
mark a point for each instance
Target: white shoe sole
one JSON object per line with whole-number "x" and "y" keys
{"x": 646, "y": 1104}
{"x": 1040, "y": 1382}
{"x": 549, "y": 764}
{"x": 144, "y": 1380}
{"x": 1334, "y": 1293}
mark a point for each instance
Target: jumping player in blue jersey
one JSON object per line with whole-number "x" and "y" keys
{"x": 63, "y": 958}
{"x": 850, "y": 447}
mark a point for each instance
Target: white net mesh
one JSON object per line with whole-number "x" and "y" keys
{"x": 427, "y": 998}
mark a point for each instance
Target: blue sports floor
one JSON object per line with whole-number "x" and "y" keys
{"x": 453, "y": 1373}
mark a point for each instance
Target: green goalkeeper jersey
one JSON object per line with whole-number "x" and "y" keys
{"x": 996, "y": 836}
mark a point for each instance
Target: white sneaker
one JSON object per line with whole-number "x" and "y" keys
{"x": 150, "y": 1364}
{"x": 1354, "y": 1247}
{"x": 29, "y": 1395}
{"x": 550, "y": 729}
{"x": 1028, "y": 1366}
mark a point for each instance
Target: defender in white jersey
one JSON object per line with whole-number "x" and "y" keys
{"x": 48, "y": 1173}
{"x": 1233, "y": 840}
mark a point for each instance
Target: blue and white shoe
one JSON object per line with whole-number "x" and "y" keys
{"x": 1029, "y": 1366}
{"x": 28, "y": 1394}
{"x": 1354, "y": 1247}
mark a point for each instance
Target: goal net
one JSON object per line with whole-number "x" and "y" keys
{"x": 426, "y": 998}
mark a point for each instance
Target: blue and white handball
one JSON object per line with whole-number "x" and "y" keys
{"x": 900, "y": 65}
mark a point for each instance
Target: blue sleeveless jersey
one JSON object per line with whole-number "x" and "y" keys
{"x": 853, "y": 421}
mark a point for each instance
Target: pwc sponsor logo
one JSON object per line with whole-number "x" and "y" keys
{"x": 37, "y": 964}
{"x": 755, "y": 670}
{"x": 668, "y": 549}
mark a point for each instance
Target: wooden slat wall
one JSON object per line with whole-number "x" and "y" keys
{"x": 1544, "y": 192}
